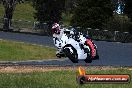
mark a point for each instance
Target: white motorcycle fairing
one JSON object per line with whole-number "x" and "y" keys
{"x": 81, "y": 54}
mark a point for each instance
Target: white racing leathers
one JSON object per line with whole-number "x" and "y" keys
{"x": 60, "y": 41}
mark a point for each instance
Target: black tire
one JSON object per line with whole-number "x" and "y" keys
{"x": 72, "y": 56}
{"x": 88, "y": 59}
{"x": 97, "y": 56}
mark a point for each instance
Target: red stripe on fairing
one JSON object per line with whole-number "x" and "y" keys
{"x": 89, "y": 42}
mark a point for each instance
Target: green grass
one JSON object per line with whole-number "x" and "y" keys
{"x": 25, "y": 11}
{"x": 55, "y": 79}
{"x": 15, "y": 51}
{"x": 22, "y": 11}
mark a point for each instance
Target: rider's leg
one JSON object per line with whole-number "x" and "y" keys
{"x": 59, "y": 51}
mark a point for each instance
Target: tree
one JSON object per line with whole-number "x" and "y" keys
{"x": 128, "y": 8}
{"x": 92, "y": 13}
{"x": 9, "y": 7}
{"x": 117, "y": 23}
{"x": 70, "y": 5}
{"x": 48, "y": 10}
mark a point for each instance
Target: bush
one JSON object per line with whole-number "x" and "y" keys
{"x": 118, "y": 23}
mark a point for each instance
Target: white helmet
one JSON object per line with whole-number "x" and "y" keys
{"x": 56, "y": 28}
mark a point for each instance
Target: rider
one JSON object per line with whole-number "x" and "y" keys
{"x": 56, "y": 37}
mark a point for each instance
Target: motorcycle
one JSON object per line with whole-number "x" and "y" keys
{"x": 69, "y": 46}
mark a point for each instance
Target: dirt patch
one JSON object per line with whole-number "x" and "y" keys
{"x": 27, "y": 69}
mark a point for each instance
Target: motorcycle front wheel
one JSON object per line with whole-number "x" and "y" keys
{"x": 71, "y": 55}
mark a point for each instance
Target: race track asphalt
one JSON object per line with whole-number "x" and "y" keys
{"x": 111, "y": 53}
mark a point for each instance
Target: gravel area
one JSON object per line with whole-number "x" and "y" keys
{"x": 28, "y": 69}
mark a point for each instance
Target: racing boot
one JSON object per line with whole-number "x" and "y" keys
{"x": 60, "y": 53}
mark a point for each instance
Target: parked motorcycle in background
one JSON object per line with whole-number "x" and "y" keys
{"x": 75, "y": 46}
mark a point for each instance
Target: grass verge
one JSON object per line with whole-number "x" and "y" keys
{"x": 56, "y": 79}
{"x": 16, "y": 51}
